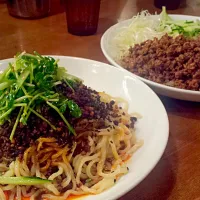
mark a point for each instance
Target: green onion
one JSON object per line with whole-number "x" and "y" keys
{"x": 62, "y": 116}
{"x": 29, "y": 83}
{"x": 16, "y": 123}
{"x": 44, "y": 119}
{"x": 23, "y": 180}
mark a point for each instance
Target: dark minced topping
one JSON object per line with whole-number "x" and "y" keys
{"x": 88, "y": 100}
{"x": 26, "y": 135}
{"x": 170, "y": 61}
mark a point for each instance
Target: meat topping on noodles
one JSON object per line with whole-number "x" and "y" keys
{"x": 59, "y": 137}
{"x": 92, "y": 109}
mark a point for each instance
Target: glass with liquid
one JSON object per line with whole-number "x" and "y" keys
{"x": 82, "y": 16}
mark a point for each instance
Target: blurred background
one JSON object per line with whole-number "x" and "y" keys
{"x": 49, "y": 33}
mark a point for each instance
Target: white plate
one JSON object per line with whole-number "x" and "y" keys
{"x": 153, "y": 128}
{"x": 109, "y": 52}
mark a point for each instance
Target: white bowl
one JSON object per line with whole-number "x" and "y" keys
{"x": 110, "y": 52}
{"x": 153, "y": 128}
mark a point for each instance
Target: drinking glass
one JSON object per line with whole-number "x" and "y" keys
{"x": 82, "y": 16}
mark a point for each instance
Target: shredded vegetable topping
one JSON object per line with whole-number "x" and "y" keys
{"x": 145, "y": 26}
{"x": 28, "y": 82}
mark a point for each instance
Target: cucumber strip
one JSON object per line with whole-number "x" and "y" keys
{"x": 23, "y": 180}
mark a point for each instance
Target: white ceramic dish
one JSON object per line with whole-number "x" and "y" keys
{"x": 153, "y": 128}
{"x": 109, "y": 52}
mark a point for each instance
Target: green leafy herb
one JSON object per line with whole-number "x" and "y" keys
{"x": 29, "y": 82}
{"x": 75, "y": 111}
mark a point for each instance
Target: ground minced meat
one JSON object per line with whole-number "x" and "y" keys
{"x": 171, "y": 61}
{"x": 93, "y": 110}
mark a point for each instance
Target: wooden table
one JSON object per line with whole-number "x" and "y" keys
{"x": 177, "y": 175}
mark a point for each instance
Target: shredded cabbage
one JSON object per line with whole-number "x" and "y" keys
{"x": 143, "y": 27}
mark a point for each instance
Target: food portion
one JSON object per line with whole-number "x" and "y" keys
{"x": 59, "y": 137}
{"x": 142, "y": 27}
{"x": 171, "y": 61}
{"x": 161, "y": 49}
{"x": 145, "y": 26}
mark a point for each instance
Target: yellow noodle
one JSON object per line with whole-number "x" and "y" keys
{"x": 2, "y": 195}
{"x": 104, "y": 184}
{"x": 52, "y": 188}
{"x": 17, "y": 168}
{"x": 88, "y": 169}
{"x": 33, "y": 169}
{"x": 26, "y": 154}
{"x": 83, "y": 134}
{"x": 48, "y": 163}
{"x": 44, "y": 151}
{"x": 83, "y": 160}
{"x": 22, "y": 171}
{"x": 135, "y": 147}
{"x": 60, "y": 152}
{"x": 25, "y": 189}
{"x": 92, "y": 166}
{"x": 3, "y": 167}
{"x": 33, "y": 196}
{"x": 72, "y": 150}
{"x": 25, "y": 168}
{"x": 46, "y": 157}
{"x": 18, "y": 193}
{"x": 8, "y": 187}
{"x": 58, "y": 173}
{"x": 9, "y": 173}
{"x": 42, "y": 140}
{"x": 113, "y": 147}
{"x": 65, "y": 159}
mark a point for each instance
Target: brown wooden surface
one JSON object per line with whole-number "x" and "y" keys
{"x": 177, "y": 175}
